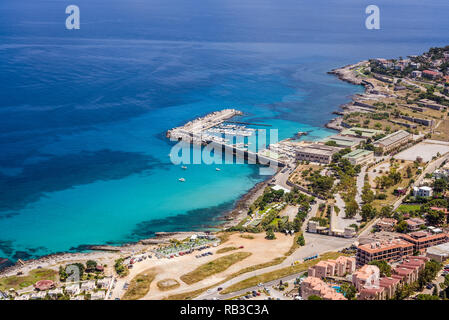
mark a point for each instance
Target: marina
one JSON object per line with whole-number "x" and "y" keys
{"x": 212, "y": 131}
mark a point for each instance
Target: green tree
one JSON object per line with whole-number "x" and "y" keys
{"x": 270, "y": 235}
{"x": 384, "y": 267}
{"x": 301, "y": 241}
{"x": 91, "y": 264}
{"x": 423, "y": 296}
{"x": 403, "y": 291}
{"x": 368, "y": 212}
{"x": 331, "y": 143}
{"x": 367, "y": 193}
{"x": 409, "y": 172}
{"x": 386, "y": 211}
{"x": 351, "y": 209}
{"x": 439, "y": 185}
{"x": 62, "y": 274}
{"x": 435, "y": 217}
{"x": 314, "y": 297}
{"x": 348, "y": 290}
{"x": 402, "y": 227}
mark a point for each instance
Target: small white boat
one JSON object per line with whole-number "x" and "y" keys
{"x": 217, "y": 169}
{"x": 184, "y": 167}
{"x": 182, "y": 179}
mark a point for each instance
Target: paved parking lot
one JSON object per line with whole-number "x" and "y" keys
{"x": 426, "y": 150}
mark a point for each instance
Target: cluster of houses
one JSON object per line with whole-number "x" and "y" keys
{"x": 371, "y": 286}
{"x": 417, "y": 70}
{"x": 396, "y": 64}
{"x": 322, "y": 278}
{"x": 407, "y": 253}
{"x": 314, "y": 284}
{"x": 91, "y": 289}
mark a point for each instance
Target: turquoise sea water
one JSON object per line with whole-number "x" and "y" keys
{"x": 83, "y": 114}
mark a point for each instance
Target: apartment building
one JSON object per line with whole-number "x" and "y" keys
{"x": 390, "y": 286}
{"x": 423, "y": 239}
{"x": 329, "y": 268}
{"x": 367, "y": 277}
{"x": 316, "y": 286}
{"x": 405, "y": 273}
{"x": 375, "y": 293}
{"x": 392, "y": 250}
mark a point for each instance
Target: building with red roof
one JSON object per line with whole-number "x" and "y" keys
{"x": 431, "y": 74}
{"x": 372, "y": 294}
{"x": 422, "y": 239}
{"x": 390, "y": 286}
{"x": 44, "y": 285}
{"x": 406, "y": 272}
{"x": 392, "y": 250}
{"x": 316, "y": 286}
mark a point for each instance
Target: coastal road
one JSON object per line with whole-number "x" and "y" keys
{"x": 315, "y": 244}
{"x": 216, "y": 295}
{"x": 281, "y": 178}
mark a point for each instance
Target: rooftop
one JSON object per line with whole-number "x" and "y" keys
{"x": 415, "y": 221}
{"x": 357, "y": 154}
{"x": 319, "y": 149}
{"x": 345, "y": 141}
{"x": 423, "y": 188}
{"x": 422, "y": 236}
{"x": 441, "y": 249}
{"x": 434, "y": 73}
{"x": 393, "y": 138}
{"x": 367, "y": 133}
{"x": 43, "y": 285}
{"x": 374, "y": 247}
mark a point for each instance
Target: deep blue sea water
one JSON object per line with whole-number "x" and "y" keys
{"x": 83, "y": 113}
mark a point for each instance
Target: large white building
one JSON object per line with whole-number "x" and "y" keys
{"x": 422, "y": 191}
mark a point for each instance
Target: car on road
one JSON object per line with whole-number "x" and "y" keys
{"x": 429, "y": 286}
{"x": 219, "y": 288}
{"x": 260, "y": 284}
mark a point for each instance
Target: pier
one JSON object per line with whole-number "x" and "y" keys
{"x": 251, "y": 123}
{"x": 200, "y": 131}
